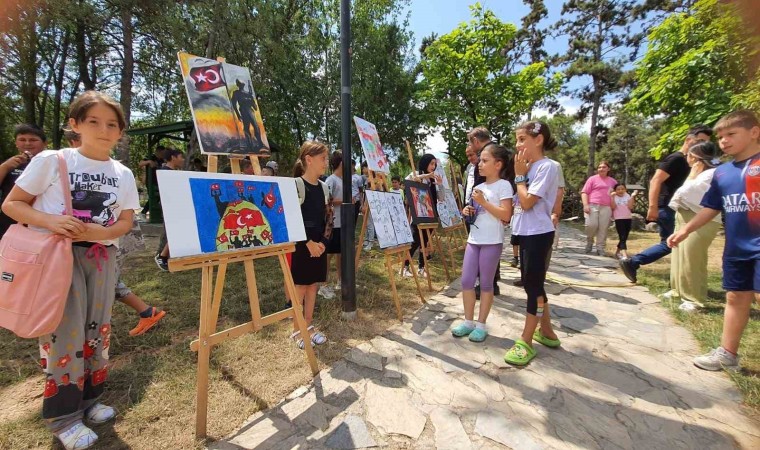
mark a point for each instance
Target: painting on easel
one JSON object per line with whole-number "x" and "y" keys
{"x": 448, "y": 210}
{"x": 211, "y": 212}
{"x": 420, "y": 202}
{"x": 373, "y": 150}
{"x": 389, "y": 218}
{"x": 224, "y": 107}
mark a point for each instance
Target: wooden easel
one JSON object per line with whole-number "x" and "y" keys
{"x": 211, "y": 299}
{"x": 428, "y": 230}
{"x": 378, "y": 181}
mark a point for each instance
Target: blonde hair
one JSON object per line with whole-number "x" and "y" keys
{"x": 84, "y": 102}
{"x": 308, "y": 148}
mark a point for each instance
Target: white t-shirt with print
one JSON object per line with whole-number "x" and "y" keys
{"x": 100, "y": 190}
{"x": 487, "y": 228}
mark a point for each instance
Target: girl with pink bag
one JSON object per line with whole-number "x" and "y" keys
{"x": 103, "y": 199}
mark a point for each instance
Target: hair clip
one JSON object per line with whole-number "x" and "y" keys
{"x": 715, "y": 161}
{"x": 536, "y": 127}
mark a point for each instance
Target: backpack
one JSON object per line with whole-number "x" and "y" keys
{"x": 35, "y": 274}
{"x": 301, "y": 188}
{"x": 329, "y": 213}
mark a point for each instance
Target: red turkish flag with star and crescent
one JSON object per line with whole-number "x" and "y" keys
{"x": 207, "y": 78}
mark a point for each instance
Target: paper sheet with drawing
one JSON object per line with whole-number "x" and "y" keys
{"x": 389, "y": 217}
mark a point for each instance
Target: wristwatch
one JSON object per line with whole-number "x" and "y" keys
{"x": 520, "y": 179}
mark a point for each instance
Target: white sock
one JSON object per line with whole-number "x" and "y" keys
{"x": 480, "y": 325}
{"x": 469, "y": 323}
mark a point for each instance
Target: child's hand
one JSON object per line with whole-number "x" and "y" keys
{"x": 634, "y": 194}
{"x": 91, "y": 232}
{"x": 478, "y": 196}
{"x": 13, "y": 163}
{"x": 66, "y": 225}
{"x": 676, "y": 238}
{"x": 468, "y": 210}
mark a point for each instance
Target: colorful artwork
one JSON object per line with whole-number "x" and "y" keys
{"x": 389, "y": 218}
{"x": 439, "y": 170}
{"x": 211, "y": 212}
{"x": 420, "y": 202}
{"x": 448, "y": 210}
{"x": 224, "y": 107}
{"x": 373, "y": 150}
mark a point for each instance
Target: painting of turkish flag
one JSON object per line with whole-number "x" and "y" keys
{"x": 224, "y": 106}
{"x": 207, "y": 78}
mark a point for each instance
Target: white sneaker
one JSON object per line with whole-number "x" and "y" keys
{"x": 326, "y": 292}
{"x": 367, "y": 247}
{"x": 717, "y": 359}
{"x": 100, "y": 413}
{"x": 406, "y": 273}
{"x": 687, "y": 306}
{"x": 421, "y": 271}
{"x": 669, "y": 295}
{"x": 77, "y": 437}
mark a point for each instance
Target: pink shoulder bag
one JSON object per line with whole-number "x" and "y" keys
{"x": 35, "y": 274}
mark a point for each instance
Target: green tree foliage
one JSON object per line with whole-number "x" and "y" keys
{"x": 695, "y": 70}
{"x": 463, "y": 84}
{"x": 626, "y": 148}
{"x": 602, "y": 40}
{"x": 572, "y": 148}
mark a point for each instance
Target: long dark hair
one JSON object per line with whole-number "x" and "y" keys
{"x": 536, "y": 127}
{"x": 506, "y": 157}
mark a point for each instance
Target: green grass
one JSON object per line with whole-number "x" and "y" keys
{"x": 705, "y": 324}
{"x": 152, "y": 377}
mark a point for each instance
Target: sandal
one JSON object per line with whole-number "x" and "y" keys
{"x": 77, "y": 437}
{"x": 540, "y": 338}
{"x": 520, "y": 354}
{"x": 462, "y": 330}
{"x": 316, "y": 336}
{"x": 296, "y": 336}
{"x": 146, "y": 323}
{"x": 100, "y": 413}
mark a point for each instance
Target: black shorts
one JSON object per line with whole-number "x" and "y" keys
{"x": 333, "y": 247}
{"x": 514, "y": 240}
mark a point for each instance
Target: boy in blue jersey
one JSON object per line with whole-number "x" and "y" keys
{"x": 734, "y": 190}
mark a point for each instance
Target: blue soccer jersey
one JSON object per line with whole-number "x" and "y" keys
{"x": 735, "y": 190}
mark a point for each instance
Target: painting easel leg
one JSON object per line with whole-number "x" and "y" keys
{"x": 297, "y": 308}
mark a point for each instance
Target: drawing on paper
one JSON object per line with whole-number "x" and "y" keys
{"x": 373, "y": 150}
{"x": 224, "y": 107}
{"x": 389, "y": 218}
{"x": 218, "y": 212}
{"x": 448, "y": 210}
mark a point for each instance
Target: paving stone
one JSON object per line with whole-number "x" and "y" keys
{"x": 351, "y": 433}
{"x": 498, "y": 427}
{"x": 309, "y": 410}
{"x": 449, "y": 432}
{"x": 365, "y": 357}
{"x": 265, "y": 433}
{"x": 391, "y": 411}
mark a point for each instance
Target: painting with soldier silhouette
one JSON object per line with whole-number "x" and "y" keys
{"x": 212, "y": 212}
{"x": 224, "y": 107}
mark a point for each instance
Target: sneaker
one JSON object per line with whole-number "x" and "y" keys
{"x": 496, "y": 290}
{"x": 146, "y": 323}
{"x": 628, "y": 270}
{"x": 77, "y": 437}
{"x": 161, "y": 262}
{"x": 326, "y": 292}
{"x": 687, "y": 306}
{"x": 717, "y": 359}
{"x": 421, "y": 271}
{"x": 515, "y": 262}
{"x": 367, "y": 247}
{"x": 670, "y": 295}
{"x": 406, "y": 273}
{"x": 462, "y": 330}
{"x": 478, "y": 335}
{"x": 100, "y": 413}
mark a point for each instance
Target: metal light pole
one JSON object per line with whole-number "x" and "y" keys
{"x": 348, "y": 269}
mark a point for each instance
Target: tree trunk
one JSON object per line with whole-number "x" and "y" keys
{"x": 58, "y": 93}
{"x": 127, "y": 75}
{"x": 28, "y": 62}
{"x": 594, "y": 131}
{"x": 80, "y": 37}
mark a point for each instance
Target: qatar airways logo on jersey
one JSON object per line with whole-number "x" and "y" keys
{"x": 741, "y": 203}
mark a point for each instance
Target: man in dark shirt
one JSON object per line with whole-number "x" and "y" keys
{"x": 152, "y": 164}
{"x": 669, "y": 176}
{"x": 175, "y": 160}
{"x": 30, "y": 140}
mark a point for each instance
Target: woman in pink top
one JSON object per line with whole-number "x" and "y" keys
{"x": 596, "y": 207}
{"x": 622, "y": 204}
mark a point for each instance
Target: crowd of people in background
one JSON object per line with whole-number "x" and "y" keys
{"x": 519, "y": 189}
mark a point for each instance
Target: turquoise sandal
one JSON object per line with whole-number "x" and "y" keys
{"x": 462, "y": 330}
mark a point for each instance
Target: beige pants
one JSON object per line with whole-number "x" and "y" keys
{"x": 688, "y": 262}
{"x": 597, "y": 225}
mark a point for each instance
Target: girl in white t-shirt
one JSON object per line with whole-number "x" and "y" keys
{"x": 104, "y": 198}
{"x": 491, "y": 205}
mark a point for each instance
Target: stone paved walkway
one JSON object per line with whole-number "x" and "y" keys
{"x": 623, "y": 378}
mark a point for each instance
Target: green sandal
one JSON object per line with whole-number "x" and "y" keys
{"x": 520, "y": 354}
{"x": 540, "y": 338}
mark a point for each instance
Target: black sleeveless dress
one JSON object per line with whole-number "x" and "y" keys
{"x": 305, "y": 269}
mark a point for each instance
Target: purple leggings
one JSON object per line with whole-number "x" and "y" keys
{"x": 480, "y": 260}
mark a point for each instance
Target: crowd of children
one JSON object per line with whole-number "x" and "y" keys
{"x": 502, "y": 187}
